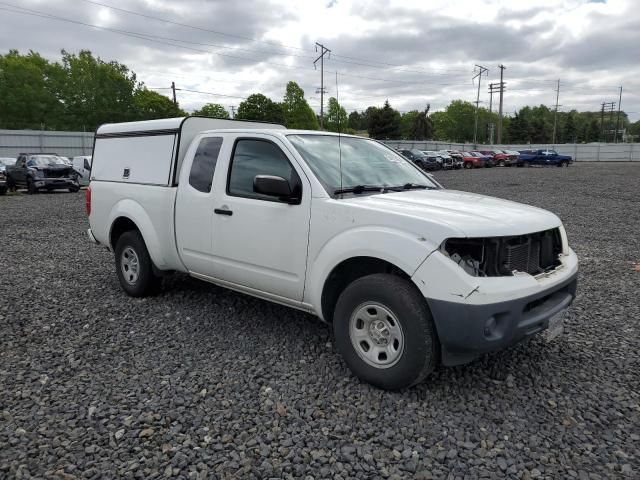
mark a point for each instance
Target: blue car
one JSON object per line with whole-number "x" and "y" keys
{"x": 543, "y": 157}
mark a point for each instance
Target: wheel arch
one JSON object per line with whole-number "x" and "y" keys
{"x": 129, "y": 215}
{"x": 346, "y": 272}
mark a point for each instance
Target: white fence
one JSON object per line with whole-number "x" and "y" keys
{"x": 587, "y": 152}
{"x": 68, "y": 144}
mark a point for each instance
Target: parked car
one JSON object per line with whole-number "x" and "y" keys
{"x": 420, "y": 159}
{"x": 82, "y": 166}
{"x": 409, "y": 274}
{"x": 488, "y": 159}
{"x": 37, "y": 171}
{"x": 500, "y": 158}
{"x": 457, "y": 158}
{"x": 473, "y": 161}
{"x": 543, "y": 157}
{"x": 444, "y": 160}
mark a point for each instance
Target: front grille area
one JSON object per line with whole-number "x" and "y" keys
{"x": 57, "y": 172}
{"x": 534, "y": 253}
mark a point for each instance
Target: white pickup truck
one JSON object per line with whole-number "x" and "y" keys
{"x": 409, "y": 274}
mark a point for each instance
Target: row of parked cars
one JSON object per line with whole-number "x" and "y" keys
{"x": 44, "y": 171}
{"x": 455, "y": 159}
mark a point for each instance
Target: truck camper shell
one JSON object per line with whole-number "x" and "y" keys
{"x": 151, "y": 152}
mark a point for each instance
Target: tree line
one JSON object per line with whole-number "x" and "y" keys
{"x": 82, "y": 91}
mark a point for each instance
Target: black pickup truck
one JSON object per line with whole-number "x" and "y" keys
{"x": 42, "y": 171}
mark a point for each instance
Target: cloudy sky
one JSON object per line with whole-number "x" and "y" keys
{"x": 412, "y": 52}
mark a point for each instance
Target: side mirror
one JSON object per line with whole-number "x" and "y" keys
{"x": 274, "y": 186}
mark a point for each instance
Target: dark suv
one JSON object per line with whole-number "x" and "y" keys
{"x": 423, "y": 161}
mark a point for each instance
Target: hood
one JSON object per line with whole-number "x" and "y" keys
{"x": 470, "y": 214}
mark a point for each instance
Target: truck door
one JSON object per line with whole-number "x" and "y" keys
{"x": 19, "y": 173}
{"x": 260, "y": 242}
{"x": 195, "y": 204}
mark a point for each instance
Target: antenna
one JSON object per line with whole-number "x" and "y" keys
{"x": 339, "y": 128}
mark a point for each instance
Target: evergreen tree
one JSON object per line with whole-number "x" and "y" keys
{"x": 297, "y": 112}
{"x": 384, "y": 123}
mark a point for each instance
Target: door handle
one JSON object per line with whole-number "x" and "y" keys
{"x": 222, "y": 211}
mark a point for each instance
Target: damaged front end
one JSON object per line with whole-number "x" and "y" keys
{"x": 534, "y": 253}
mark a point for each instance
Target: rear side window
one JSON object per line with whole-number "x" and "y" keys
{"x": 204, "y": 164}
{"x": 257, "y": 157}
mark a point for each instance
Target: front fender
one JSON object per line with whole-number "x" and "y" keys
{"x": 136, "y": 213}
{"x": 403, "y": 249}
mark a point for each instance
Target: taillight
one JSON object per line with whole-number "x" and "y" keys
{"x": 87, "y": 201}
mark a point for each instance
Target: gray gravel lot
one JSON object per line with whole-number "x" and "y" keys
{"x": 201, "y": 382}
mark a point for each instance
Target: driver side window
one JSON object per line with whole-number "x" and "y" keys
{"x": 252, "y": 157}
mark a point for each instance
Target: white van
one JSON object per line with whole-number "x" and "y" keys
{"x": 82, "y": 165}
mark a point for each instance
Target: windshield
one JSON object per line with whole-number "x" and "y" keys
{"x": 7, "y": 161}
{"x": 364, "y": 162}
{"x": 45, "y": 160}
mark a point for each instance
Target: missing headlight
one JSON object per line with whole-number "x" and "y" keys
{"x": 533, "y": 253}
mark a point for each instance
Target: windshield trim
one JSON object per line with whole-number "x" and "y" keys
{"x": 330, "y": 189}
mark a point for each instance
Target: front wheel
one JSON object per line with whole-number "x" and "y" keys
{"x": 501, "y": 163}
{"x": 563, "y": 164}
{"x": 468, "y": 165}
{"x": 384, "y": 330}
{"x": 3, "y": 190}
{"x": 31, "y": 187}
{"x": 134, "y": 266}
{"x": 74, "y": 189}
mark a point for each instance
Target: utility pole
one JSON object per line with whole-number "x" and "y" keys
{"x": 555, "y": 113}
{"x": 479, "y": 77}
{"x": 602, "y": 123}
{"x": 173, "y": 89}
{"x": 610, "y": 107}
{"x": 323, "y": 50}
{"x": 502, "y": 67}
{"x": 615, "y": 134}
{"x": 493, "y": 88}
{"x": 233, "y": 111}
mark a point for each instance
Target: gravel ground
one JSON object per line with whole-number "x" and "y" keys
{"x": 201, "y": 382}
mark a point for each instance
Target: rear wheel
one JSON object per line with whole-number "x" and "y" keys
{"x": 384, "y": 331}
{"x": 3, "y": 190}
{"x": 501, "y": 163}
{"x": 134, "y": 266}
{"x": 74, "y": 189}
{"x": 563, "y": 164}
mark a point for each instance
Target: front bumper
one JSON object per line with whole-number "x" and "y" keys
{"x": 477, "y": 315}
{"x": 53, "y": 183}
{"x": 468, "y": 331}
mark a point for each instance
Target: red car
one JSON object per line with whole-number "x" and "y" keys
{"x": 500, "y": 158}
{"x": 471, "y": 161}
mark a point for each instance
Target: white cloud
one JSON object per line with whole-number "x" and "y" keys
{"x": 591, "y": 47}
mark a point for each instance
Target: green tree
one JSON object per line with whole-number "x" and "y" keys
{"x": 570, "y": 131}
{"x": 28, "y": 86}
{"x": 149, "y": 105}
{"x": 422, "y": 126}
{"x": 384, "y": 123}
{"x": 592, "y": 132}
{"x": 213, "y": 110}
{"x": 336, "y": 120}
{"x": 406, "y": 124}
{"x": 94, "y": 91}
{"x": 297, "y": 112}
{"x": 457, "y": 122}
{"x": 357, "y": 121}
{"x": 260, "y": 108}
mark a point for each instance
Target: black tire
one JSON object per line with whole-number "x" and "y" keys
{"x": 468, "y": 165}
{"x": 420, "y": 353}
{"x": 563, "y": 164}
{"x": 3, "y": 190}
{"x": 146, "y": 282}
{"x": 501, "y": 163}
{"x": 31, "y": 187}
{"x": 74, "y": 189}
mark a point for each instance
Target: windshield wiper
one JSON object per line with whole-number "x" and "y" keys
{"x": 360, "y": 189}
{"x": 414, "y": 186}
